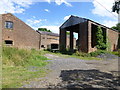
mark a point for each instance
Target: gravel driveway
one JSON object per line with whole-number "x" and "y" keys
{"x": 63, "y": 70}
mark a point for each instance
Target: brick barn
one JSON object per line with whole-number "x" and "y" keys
{"x": 16, "y": 33}
{"x": 86, "y": 30}
{"x": 50, "y": 40}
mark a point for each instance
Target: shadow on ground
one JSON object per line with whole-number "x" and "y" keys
{"x": 87, "y": 79}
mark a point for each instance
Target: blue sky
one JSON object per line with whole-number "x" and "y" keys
{"x": 55, "y": 14}
{"x": 52, "y": 14}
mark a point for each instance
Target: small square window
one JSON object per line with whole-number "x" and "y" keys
{"x": 9, "y": 24}
{"x": 8, "y": 42}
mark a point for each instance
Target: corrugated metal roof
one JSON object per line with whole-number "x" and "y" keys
{"x": 48, "y": 33}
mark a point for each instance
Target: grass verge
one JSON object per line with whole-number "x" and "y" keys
{"x": 83, "y": 56}
{"x": 17, "y": 65}
{"x": 14, "y": 77}
{"x": 116, "y": 53}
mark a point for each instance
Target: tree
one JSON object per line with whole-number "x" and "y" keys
{"x": 100, "y": 39}
{"x": 117, "y": 27}
{"x": 43, "y": 29}
{"x": 68, "y": 33}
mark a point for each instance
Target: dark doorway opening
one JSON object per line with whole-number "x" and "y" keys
{"x": 104, "y": 35}
{"x": 8, "y": 42}
{"x": 93, "y": 35}
{"x": 42, "y": 46}
{"x": 54, "y": 46}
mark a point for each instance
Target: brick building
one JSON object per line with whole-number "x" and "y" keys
{"x": 50, "y": 40}
{"x": 16, "y": 33}
{"x": 86, "y": 30}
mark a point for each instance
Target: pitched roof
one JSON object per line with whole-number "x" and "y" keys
{"x": 48, "y": 33}
{"x": 73, "y": 20}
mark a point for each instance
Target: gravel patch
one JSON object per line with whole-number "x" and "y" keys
{"x": 77, "y": 73}
{"x": 108, "y": 56}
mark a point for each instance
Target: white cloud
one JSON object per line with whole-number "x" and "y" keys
{"x": 46, "y": 10}
{"x": 99, "y": 8}
{"x": 31, "y": 21}
{"x": 34, "y": 17}
{"x": 19, "y": 6}
{"x": 109, "y": 23}
{"x": 66, "y": 17}
{"x": 54, "y": 29}
{"x": 14, "y": 6}
{"x": 59, "y": 2}
{"x": 35, "y": 23}
{"x": 48, "y": 1}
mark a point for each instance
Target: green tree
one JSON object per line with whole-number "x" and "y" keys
{"x": 43, "y": 29}
{"x": 100, "y": 39}
{"x": 68, "y": 33}
{"x": 117, "y": 27}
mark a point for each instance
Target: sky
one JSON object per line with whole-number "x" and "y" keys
{"x": 51, "y": 14}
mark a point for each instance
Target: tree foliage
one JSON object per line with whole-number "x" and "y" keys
{"x": 117, "y": 27}
{"x": 100, "y": 44}
{"x": 68, "y": 33}
{"x": 44, "y": 29}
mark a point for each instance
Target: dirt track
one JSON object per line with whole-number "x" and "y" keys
{"x": 66, "y": 72}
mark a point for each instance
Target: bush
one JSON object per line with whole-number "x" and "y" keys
{"x": 100, "y": 39}
{"x": 116, "y": 53}
{"x": 82, "y": 54}
{"x": 96, "y": 53}
{"x": 103, "y": 46}
{"x": 92, "y": 54}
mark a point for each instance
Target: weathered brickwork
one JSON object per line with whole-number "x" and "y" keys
{"x": 68, "y": 42}
{"x": 112, "y": 39}
{"x": 22, "y": 35}
{"x": 86, "y": 30}
{"x": 0, "y": 30}
{"x": 47, "y": 40}
{"x": 111, "y": 36}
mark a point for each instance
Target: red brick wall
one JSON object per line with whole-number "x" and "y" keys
{"x": 110, "y": 34}
{"x": 22, "y": 35}
{"x": 83, "y": 37}
{"x": 113, "y": 39}
{"x": 48, "y": 39}
{"x": 90, "y": 49}
{"x": 0, "y": 30}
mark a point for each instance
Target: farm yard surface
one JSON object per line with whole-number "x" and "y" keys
{"x": 70, "y": 72}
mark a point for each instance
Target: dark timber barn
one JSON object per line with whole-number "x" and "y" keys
{"x": 86, "y": 30}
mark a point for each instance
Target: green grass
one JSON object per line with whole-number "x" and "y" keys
{"x": 83, "y": 56}
{"x": 86, "y": 58}
{"x": 16, "y": 63}
{"x": 14, "y": 77}
{"x": 22, "y": 57}
{"x": 116, "y": 53}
